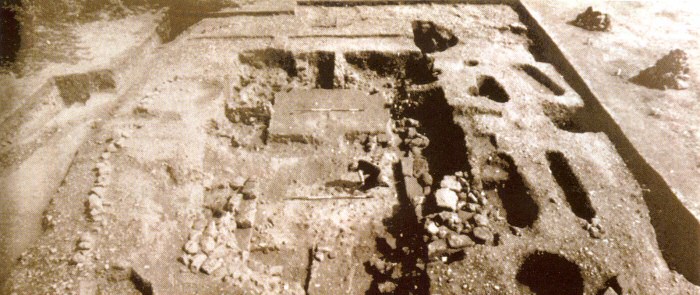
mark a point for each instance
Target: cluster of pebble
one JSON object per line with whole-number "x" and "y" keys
{"x": 592, "y": 20}
{"x": 212, "y": 243}
{"x": 671, "y": 71}
{"x": 96, "y": 198}
{"x": 594, "y": 228}
{"x": 86, "y": 243}
{"x": 465, "y": 220}
{"x": 209, "y": 243}
{"x": 412, "y": 139}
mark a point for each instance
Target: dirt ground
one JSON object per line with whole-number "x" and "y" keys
{"x": 322, "y": 149}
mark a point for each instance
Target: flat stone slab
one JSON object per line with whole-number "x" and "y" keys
{"x": 324, "y": 115}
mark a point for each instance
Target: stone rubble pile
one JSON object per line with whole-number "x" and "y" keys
{"x": 669, "y": 72}
{"x": 466, "y": 218}
{"x": 212, "y": 244}
{"x": 593, "y": 20}
{"x": 96, "y": 202}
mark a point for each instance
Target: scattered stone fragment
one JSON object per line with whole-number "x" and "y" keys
{"x": 451, "y": 182}
{"x": 86, "y": 242}
{"x": 208, "y": 244}
{"x": 446, "y": 199}
{"x": 197, "y": 262}
{"x": 250, "y": 188}
{"x": 238, "y": 182}
{"x": 112, "y": 148}
{"x": 610, "y": 291}
{"x": 319, "y": 256}
{"x": 592, "y": 20}
{"x": 246, "y": 214}
{"x": 192, "y": 247}
{"x": 102, "y": 181}
{"x": 481, "y": 220}
{"x": 464, "y": 215}
{"x": 211, "y": 229}
{"x": 436, "y": 247}
{"x": 210, "y": 265}
{"x": 78, "y": 258}
{"x": 669, "y": 72}
{"x": 442, "y": 232}
{"x": 100, "y": 191}
{"x": 431, "y": 227}
{"x": 459, "y": 241}
{"x": 95, "y": 202}
{"x": 387, "y": 287}
{"x": 482, "y": 235}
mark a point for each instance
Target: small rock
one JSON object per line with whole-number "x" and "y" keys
{"x": 211, "y": 229}
{"x": 119, "y": 143}
{"x": 386, "y": 287}
{"x": 426, "y": 179}
{"x": 199, "y": 224}
{"x": 105, "y": 156}
{"x": 595, "y": 232}
{"x": 446, "y": 198}
{"x": 610, "y": 291}
{"x": 192, "y": 247}
{"x": 207, "y": 244}
{"x": 481, "y": 220}
{"x": 451, "y": 182}
{"x": 482, "y": 235}
{"x": 210, "y": 265}
{"x": 431, "y": 227}
{"x": 197, "y": 262}
{"x": 464, "y": 215}
{"x": 250, "y": 188}
{"x": 442, "y": 232}
{"x": 95, "y": 202}
{"x": 102, "y": 181}
{"x": 437, "y": 247}
{"x": 100, "y": 191}
{"x": 112, "y": 148}
{"x": 319, "y": 256}
{"x": 238, "y": 182}
{"x": 78, "y": 258}
{"x": 459, "y": 241}
{"x": 411, "y": 132}
{"x": 471, "y": 207}
{"x": 185, "y": 259}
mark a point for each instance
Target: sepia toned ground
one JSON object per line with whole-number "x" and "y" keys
{"x": 215, "y": 153}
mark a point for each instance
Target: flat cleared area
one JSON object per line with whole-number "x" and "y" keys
{"x": 318, "y": 114}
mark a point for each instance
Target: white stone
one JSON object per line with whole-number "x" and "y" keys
{"x": 446, "y": 198}
{"x": 451, "y": 182}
